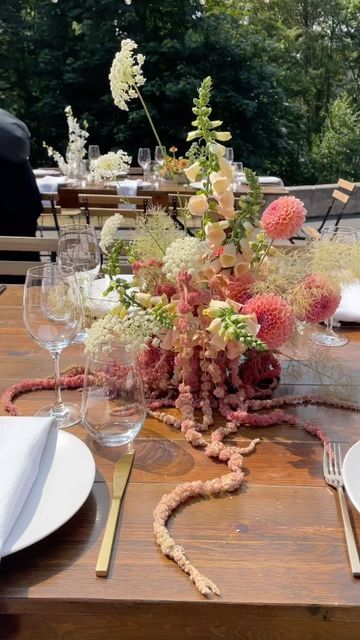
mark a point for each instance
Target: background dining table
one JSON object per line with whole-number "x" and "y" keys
{"x": 275, "y": 548}
{"x": 68, "y": 193}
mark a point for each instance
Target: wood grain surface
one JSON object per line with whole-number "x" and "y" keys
{"x": 275, "y": 548}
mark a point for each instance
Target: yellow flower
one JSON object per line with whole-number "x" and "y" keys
{"x": 197, "y": 205}
{"x": 223, "y": 136}
{"x": 219, "y": 183}
{"x": 228, "y": 257}
{"x": 215, "y": 234}
{"x": 192, "y": 171}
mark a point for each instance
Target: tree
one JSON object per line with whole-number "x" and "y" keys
{"x": 336, "y": 151}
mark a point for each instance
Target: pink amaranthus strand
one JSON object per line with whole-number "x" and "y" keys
{"x": 72, "y": 380}
{"x": 182, "y": 493}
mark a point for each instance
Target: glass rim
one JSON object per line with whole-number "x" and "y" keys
{"x": 39, "y": 269}
{"x": 338, "y": 228}
{"x": 74, "y": 225}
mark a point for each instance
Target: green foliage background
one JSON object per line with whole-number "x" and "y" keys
{"x": 280, "y": 70}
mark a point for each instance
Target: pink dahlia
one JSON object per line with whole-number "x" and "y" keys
{"x": 283, "y": 218}
{"x": 316, "y": 299}
{"x": 239, "y": 289}
{"x": 274, "y": 316}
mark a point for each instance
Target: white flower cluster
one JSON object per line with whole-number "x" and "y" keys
{"x": 108, "y": 235}
{"x": 110, "y": 165}
{"x": 60, "y": 161}
{"x": 133, "y": 332}
{"x": 76, "y": 145}
{"x": 126, "y": 74}
{"x": 77, "y": 138}
{"x": 186, "y": 254}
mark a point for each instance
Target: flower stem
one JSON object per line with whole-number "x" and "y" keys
{"x": 149, "y": 117}
{"x": 321, "y": 373}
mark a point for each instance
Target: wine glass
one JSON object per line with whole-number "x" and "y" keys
{"x": 78, "y": 248}
{"x": 229, "y": 154}
{"x": 93, "y": 152}
{"x": 153, "y": 174}
{"x": 337, "y": 236}
{"x": 144, "y": 158}
{"x": 53, "y": 316}
{"x": 238, "y": 174}
{"x": 160, "y": 153}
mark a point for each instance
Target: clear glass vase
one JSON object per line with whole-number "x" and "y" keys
{"x": 113, "y": 405}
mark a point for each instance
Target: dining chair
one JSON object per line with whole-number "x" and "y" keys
{"x": 51, "y": 207}
{"x": 94, "y": 205}
{"x": 335, "y": 211}
{"x": 23, "y": 252}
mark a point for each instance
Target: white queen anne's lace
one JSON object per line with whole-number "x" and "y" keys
{"x": 110, "y": 165}
{"x": 186, "y": 254}
{"x": 133, "y": 332}
{"x": 126, "y": 74}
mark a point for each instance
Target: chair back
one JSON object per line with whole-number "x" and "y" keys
{"x": 342, "y": 194}
{"x": 103, "y": 205}
{"x": 21, "y": 246}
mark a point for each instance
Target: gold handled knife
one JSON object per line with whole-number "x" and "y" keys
{"x": 120, "y": 478}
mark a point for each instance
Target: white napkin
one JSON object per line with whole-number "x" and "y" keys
{"x": 128, "y": 187}
{"x": 45, "y": 172}
{"x": 349, "y": 307}
{"x": 98, "y": 304}
{"x": 266, "y": 180}
{"x": 50, "y": 184}
{"x": 22, "y": 441}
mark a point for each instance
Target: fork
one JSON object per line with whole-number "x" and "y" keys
{"x": 333, "y": 477}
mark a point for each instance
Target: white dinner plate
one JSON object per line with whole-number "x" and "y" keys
{"x": 46, "y": 172}
{"x": 351, "y": 474}
{"x": 142, "y": 185}
{"x": 66, "y": 476}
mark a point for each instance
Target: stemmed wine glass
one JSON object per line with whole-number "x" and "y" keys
{"x": 78, "y": 248}
{"x": 53, "y": 316}
{"x": 144, "y": 158}
{"x": 160, "y": 153}
{"x": 93, "y": 152}
{"x": 337, "y": 236}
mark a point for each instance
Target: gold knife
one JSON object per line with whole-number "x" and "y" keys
{"x": 120, "y": 477}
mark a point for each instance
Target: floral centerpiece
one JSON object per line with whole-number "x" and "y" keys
{"x": 110, "y": 166}
{"x": 76, "y": 152}
{"x": 173, "y": 168}
{"x": 211, "y": 314}
{"x": 213, "y": 311}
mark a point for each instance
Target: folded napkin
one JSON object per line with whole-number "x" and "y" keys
{"x": 265, "y": 180}
{"x": 97, "y": 304}
{"x": 50, "y": 184}
{"x": 22, "y": 442}
{"x": 128, "y": 187}
{"x": 349, "y": 307}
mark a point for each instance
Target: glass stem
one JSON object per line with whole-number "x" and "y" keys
{"x": 329, "y": 325}
{"x": 58, "y": 407}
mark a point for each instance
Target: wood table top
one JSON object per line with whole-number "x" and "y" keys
{"x": 275, "y": 548}
{"x": 68, "y": 193}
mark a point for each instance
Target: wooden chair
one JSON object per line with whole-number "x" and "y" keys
{"x": 24, "y": 245}
{"x": 53, "y": 209}
{"x": 335, "y": 213}
{"x": 102, "y": 206}
{"x": 338, "y": 196}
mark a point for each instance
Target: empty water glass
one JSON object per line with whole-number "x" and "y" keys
{"x": 144, "y": 158}
{"x": 113, "y": 407}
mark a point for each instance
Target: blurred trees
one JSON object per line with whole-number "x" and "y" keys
{"x": 278, "y": 67}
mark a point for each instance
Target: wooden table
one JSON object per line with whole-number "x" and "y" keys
{"x": 68, "y": 195}
{"x": 276, "y": 548}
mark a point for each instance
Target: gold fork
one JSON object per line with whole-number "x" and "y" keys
{"x": 334, "y": 478}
